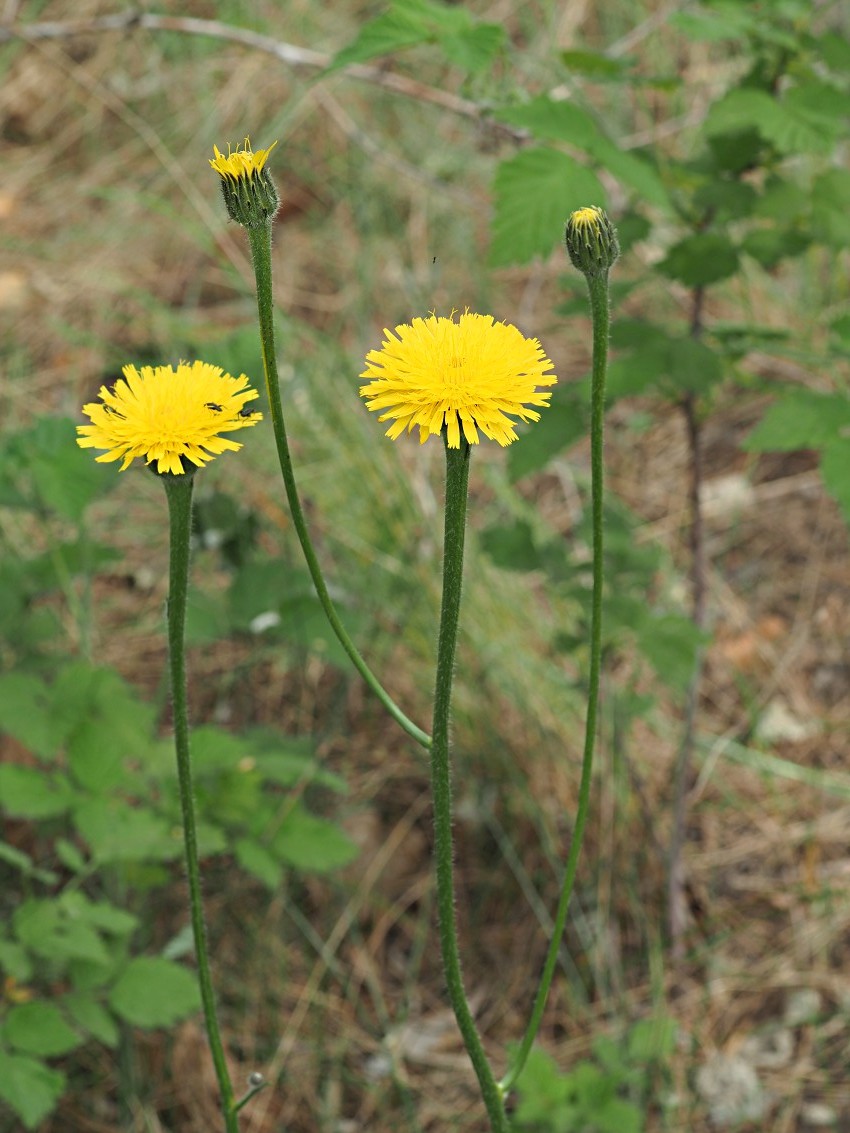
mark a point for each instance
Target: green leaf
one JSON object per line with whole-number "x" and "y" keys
{"x": 511, "y": 546}
{"x": 64, "y": 477}
{"x": 769, "y": 246}
{"x": 835, "y": 461}
{"x": 109, "y": 727}
{"x": 24, "y": 863}
{"x": 535, "y": 192}
{"x": 830, "y": 212}
{"x": 312, "y": 843}
{"x": 206, "y": 617}
{"x": 800, "y": 419}
{"x": 28, "y": 792}
{"x": 118, "y": 832}
{"x": 25, "y": 712}
{"x": 597, "y": 66}
{"x": 256, "y": 860}
{"x": 154, "y": 992}
{"x": 553, "y": 120}
{"x": 91, "y": 1016}
{"x": 29, "y": 1087}
{"x": 47, "y": 929}
{"x": 698, "y": 260}
{"x": 617, "y": 1116}
{"x": 564, "y": 422}
{"x": 475, "y": 48}
{"x": 15, "y": 961}
{"x": 788, "y": 125}
{"x": 39, "y": 1028}
{"x": 652, "y": 1040}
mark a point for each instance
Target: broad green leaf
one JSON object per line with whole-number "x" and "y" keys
{"x": 769, "y": 246}
{"x": 39, "y": 1028}
{"x": 47, "y": 929}
{"x": 113, "y": 728}
{"x": 29, "y": 1087}
{"x": 100, "y": 914}
{"x": 563, "y": 423}
{"x": 535, "y": 192}
{"x": 670, "y": 643}
{"x": 727, "y": 199}
{"x": 15, "y": 961}
{"x": 154, "y": 992}
{"x": 782, "y": 200}
{"x": 118, "y": 832}
{"x": 256, "y": 860}
{"x": 616, "y": 1115}
{"x": 91, "y": 1016}
{"x": 29, "y": 792}
{"x": 65, "y": 478}
{"x": 830, "y": 212}
{"x": 800, "y": 419}
{"x": 631, "y": 169}
{"x": 789, "y": 127}
{"x": 553, "y": 120}
{"x": 835, "y": 461}
{"x": 705, "y": 257}
{"x": 474, "y": 49}
{"x": 25, "y": 712}
{"x": 693, "y": 366}
{"x": 312, "y": 843}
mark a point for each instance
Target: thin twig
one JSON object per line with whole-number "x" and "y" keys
{"x": 289, "y": 53}
{"x": 676, "y": 878}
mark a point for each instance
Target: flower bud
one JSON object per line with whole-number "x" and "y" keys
{"x": 250, "y": 196}
{"x": 591, "y": 241}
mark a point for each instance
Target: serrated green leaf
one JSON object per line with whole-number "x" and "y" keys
{"x": 23, "y": 862}
{"x": 29, "y": 1087}
{"x": 552, "y": 120}
{"x": 256, "y": 860}
{"x": 46, "y": 929}
{"x": 670, "y": 643}
{"x": 39, "y": 1028}
{"x": 596, "y": 65}
{"x": 26, "y": 712}
{"x": 406, "y": 24}
{"x": 118, "y": 832}
{"x": 312, "y": 843}
{"x": 701, "y": 259}
{"x": 782, "y": 200}
{"x": 787, "y": 126}
{"x": 29, "y": 792}
{"x": 154, "y": 992}
{"x": 535, "y": 192}
{"x": 769, "y": 246}
{"x": 91, "y": 1016}
{"x": 800, "y": 419}
{"x": 474, "y": 49}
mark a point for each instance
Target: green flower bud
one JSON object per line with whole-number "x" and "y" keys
{"x": 250, "y": 196}
{"x": 591, "y": 241}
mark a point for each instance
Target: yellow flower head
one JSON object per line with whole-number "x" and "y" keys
{"x": 240, "y": 162}
{"x": 471, "y": 374}
{"x": 250, "y": 196}
{"x": 165, "y": 415}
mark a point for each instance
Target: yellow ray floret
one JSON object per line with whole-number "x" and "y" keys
{"x": 166, "y": 415}
{"x": 464, "y": 375}
{"x": 240, "y": 162}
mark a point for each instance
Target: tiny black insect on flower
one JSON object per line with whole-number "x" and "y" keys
{"x": 246, "y": 412}
{"x": 212, "y": 405}
{"x": 113, "y": 412}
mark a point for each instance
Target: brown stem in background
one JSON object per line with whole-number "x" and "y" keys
{"x": 676, "y": 886}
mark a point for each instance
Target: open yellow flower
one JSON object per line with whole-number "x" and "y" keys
{"x": 165, "y": 415}
{"x": 467, "y": 375}
{"x": 240, "y": 162}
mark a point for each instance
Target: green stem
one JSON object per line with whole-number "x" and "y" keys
{"x": 178, "y": 489}
{"x": 260, "y": 240}
{"x": 598, "y": 287}
{"x": 457, "y": 480}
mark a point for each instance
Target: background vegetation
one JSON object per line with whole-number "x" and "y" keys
{"x": 427, "y": 158}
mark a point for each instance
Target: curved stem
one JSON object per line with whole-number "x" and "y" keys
{"x": 178, "y": 490}
{"x": 260, "y": 240}
{"x": 598, "y": 286}
{"x": 457, "y": 480}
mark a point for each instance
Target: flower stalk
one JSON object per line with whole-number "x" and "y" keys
{"x": 457, "y": 482}
{"x": 592, "y": 247}
{"x": 178, "y": 490}
{"x": 251, "y": 200}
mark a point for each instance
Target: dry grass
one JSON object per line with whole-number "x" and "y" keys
{"x": 333, "y": 987}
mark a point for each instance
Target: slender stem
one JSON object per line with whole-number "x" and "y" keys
{"x": 457, "y": 481}
{"x": 260, "y": 240}
{"x": 178, "y": 490}
{"x": 598, "y": 287}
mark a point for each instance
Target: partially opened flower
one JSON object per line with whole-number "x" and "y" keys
{"x": 249, "y": 193}
{"x": 467, "y": 375}
{"x": 167, "y": 416}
